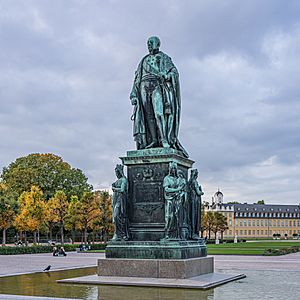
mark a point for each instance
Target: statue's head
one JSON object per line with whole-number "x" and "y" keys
{"x": 194, "y": 173}
{"x": 119, "y": 170}
{"x": 173, "y": 168}
{"x": 153, "y": 44}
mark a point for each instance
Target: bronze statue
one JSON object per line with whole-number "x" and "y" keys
{"x": 175, "y": 195}
{"x": 156, "y": 98}
{"x": 120, "y": 194}
{"x": 194, "y": 196}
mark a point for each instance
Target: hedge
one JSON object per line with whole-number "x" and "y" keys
{"x": 281, "y": 251}
{"x": 44, "y": 249}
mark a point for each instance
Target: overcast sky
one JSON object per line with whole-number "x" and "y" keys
{"x": 67, "y": 67}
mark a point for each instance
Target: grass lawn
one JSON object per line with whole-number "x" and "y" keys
{"x": 252, "y": 248}
{"x": 101, "y": 251}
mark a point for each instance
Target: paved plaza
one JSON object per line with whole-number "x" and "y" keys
{"x": 30, "y": 263}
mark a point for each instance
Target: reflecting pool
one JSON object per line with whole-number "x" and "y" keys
{"x": 258, "y": 285}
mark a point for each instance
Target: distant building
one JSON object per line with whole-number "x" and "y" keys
{"x": 257, "y": 220}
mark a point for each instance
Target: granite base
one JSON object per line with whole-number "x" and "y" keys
{"x": 155, "y": 268}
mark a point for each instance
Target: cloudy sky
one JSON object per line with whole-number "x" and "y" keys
{"x": 66, "y": 71}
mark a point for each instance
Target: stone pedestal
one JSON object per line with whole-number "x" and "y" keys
{"x": 155, "y": 268}
{"x": 146, "y": 170}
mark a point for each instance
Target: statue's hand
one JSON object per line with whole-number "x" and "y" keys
{"x": 134, "y": 100}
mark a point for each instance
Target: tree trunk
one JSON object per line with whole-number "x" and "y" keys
{"x": 209, "y": 233}
{"x": 34, "y": 237}
{"x": 4, "y": 237}
{"x": 73, "y": 236}
{"x": 50, "y": 230}
{"x": 85, "y": 235}
{"x": 62, "y": 233}
{"x": 38, "y": 236}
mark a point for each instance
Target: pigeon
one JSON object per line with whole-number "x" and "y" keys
{"x": 48, "y": 268}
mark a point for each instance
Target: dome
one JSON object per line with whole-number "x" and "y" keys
{"x": 218, "y": 193}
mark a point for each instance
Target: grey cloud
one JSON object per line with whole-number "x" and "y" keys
{"x": 67, "y": 68}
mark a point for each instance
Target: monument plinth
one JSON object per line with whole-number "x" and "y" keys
{"x": 146, "y": 170}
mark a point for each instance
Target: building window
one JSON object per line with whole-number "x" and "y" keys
{"x": 278, "y": 224}
{"x": 245, "y": 232}
{"x": 249, "y": 232}
{"x": 245, "y": 223}
{"x": 266, "y": 232}
{"x": 257, "y": 232}
{"x": 282, "y": 223}
{"x": 249, "y": 223}
{"x": 261, "y": 222}
{"x": 236, "y": 223}
{"x": 253, "y": 223}
{"x": 241, "y": 223}
{"x": 253, "y": 232}
{"x": 274, "y": 223}
{"x": 266, "y": 222}
{"x": 241, "y": 232}
{"x": 230, "y": 222}
{"x": 291, "y": 224}
{"x": 257, "y": 222}
{"x": 230, "y": 232}
{"x": 294, "y": 223}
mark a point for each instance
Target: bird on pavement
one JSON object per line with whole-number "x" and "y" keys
{"x": 48, "y": 268}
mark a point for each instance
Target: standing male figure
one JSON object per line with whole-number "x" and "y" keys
{"x": 156, "y": 97}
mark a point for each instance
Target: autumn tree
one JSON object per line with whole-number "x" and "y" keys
{"x": 72, "y": 221}
{"x": 85, "y": 213}
{"x": 7, "y": 211}
{"x": 32, "y": 211}
{"x": 219, "y": 223}
{"x": 47, "y": 171}
{"x": 57, "y": 211}
{"x": 207, "y": 222}
{"x": 213, "y": 222}
{"x": 103, "y": 223}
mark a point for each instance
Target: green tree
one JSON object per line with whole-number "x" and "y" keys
{"x": 261, "y": 202}
{"x": 233, "y": 202}
{"x": 57, "y": 211}
{"x": 32, "y": 211}
{"x": 47, "y": 171}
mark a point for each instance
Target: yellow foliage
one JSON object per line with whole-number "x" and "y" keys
{"x": 32, "y": 210}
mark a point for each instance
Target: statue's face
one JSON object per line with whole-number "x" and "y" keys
{"x": 153, "y": 44}
{"x": 117, "y": 173}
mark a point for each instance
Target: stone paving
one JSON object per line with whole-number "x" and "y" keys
{"x": 30, "y": 263}
{"x": 289, "y": 262}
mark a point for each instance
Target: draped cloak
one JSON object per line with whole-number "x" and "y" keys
{"x": 171, "y": 101}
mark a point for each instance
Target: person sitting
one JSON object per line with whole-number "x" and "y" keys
{"x": 62, "y": 252}
{"x": 55, "y": 251}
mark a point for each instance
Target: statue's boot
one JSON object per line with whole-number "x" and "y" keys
{"x": 165, "y": 144}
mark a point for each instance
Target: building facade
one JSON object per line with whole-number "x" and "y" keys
{"x": 257, "y": 220}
